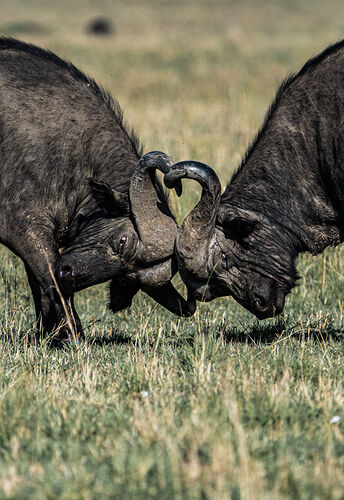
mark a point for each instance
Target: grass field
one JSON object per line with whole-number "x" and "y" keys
{"x": 219, "y": 406}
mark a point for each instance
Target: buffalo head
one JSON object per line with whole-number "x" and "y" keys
{"x": 128, "y": 239}
{"x": 225, "y": 249}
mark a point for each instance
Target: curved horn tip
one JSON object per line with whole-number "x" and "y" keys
{"x": 190, "y": 168}
{"x": 196, "y": 170}
{"x": 172, "y": 181}
{"x": 178, "y": 188}
{"x": 189, "y": 306}
{"x": 167, "y": 296}
{"x": 153, "y": 158}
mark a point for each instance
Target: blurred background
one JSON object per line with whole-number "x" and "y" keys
{"x": 195, "y": 77}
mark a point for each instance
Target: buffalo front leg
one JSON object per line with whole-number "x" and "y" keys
{"x": 46, "y": 313}
{"x": 38, "y": 250}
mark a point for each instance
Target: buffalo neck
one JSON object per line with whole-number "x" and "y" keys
{"x": 292, "y": 174}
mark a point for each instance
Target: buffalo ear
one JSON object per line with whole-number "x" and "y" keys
{"x": 110, "y": 199}
{"x": 239, "y": 222}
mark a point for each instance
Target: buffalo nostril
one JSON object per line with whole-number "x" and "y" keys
{"x": 259, "y": 302}
{"x": 66, "y": 272}
{"x": 266, "y": 299}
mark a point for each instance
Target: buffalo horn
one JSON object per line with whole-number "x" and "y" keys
{"x": 197, "y": 229}
{"x": 168, "y": 297}
{"x": 154, "y": 223}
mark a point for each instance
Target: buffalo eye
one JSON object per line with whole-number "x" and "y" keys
{"x": 123, "y": 241}
{"x": 224, "y": 260}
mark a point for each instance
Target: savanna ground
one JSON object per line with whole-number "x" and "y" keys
{"x": 150, "y": 406}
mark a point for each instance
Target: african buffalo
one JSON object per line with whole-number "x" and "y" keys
{"x": 287, "y": 196}
{"x": 71, "y": 178}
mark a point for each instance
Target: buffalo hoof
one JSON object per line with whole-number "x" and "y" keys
{"x": 63, "y": 337}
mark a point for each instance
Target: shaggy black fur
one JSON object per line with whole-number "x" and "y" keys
{"x": 286, "y": 197}
{"x": 58, "y": 130}
{"x": 291, "y": 178}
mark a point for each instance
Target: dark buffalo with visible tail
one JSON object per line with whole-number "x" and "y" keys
{"x": 72, "y": 178}
{"x": 287, "y": 196}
